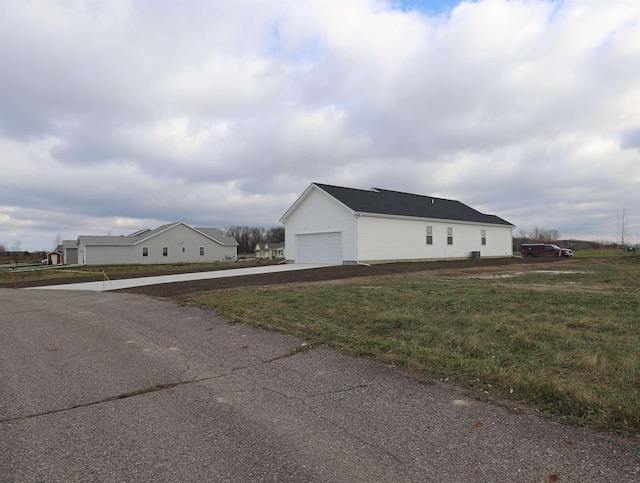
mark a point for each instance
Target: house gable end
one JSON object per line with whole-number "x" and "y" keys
{"x": 314, "y": 187}
{"x": 152, "y": 233}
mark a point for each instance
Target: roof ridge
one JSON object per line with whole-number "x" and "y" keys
{"x": 375, "y": 189}
{"x": 414, "y": 194}
{"x": 340, "y": 187}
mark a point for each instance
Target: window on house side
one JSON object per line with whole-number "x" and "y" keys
{"x": 202, "y": 251}
{"x": 429, "y": 235}
{"x": 145, "y": 251}
{"x": 449, "y": 236}
{"x": 184, "y": 249}
{"x": 165, "y": 251}
{"x": 484, "y": 237}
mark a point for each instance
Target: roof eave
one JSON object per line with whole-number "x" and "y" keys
{"x": 306, "y": 193}
{"x": 435, "y": 220}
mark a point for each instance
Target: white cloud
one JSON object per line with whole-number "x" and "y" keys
{"x": 123, "y": 113}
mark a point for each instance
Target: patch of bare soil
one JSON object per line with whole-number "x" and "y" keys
{"x": 431, "y": 269}
{"x": 566, "y": 287}
{"x": 451, "y": 269}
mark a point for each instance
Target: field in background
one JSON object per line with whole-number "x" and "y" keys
{"x": 565, "y": 340}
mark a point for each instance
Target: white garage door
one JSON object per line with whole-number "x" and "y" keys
{"x": 319, "y": 248}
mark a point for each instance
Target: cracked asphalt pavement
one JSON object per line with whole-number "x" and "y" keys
{"x": 117, "y": 387}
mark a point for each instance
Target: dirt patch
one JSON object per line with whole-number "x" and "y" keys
{"x": 435, "y": 269}
{"x": 565, "y": 287}
{"x": 432, "y": 269}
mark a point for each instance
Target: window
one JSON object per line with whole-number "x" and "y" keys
{"x": 145, "y": 251}
{"x": 165, "y": 251}
{"x": 184, "y": 249}
{"x": 449, "y": 236}
{"x": 202, "y": 251}
{"x": 429, "y": 235}
{"x": 483, "y": 240}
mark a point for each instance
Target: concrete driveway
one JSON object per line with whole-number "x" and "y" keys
{"x": 116, "y": 387}
{"x": 182, "y": 277}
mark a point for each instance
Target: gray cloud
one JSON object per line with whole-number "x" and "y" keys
{"x": 631, "y": 139}
{"x": 123, "y": 114}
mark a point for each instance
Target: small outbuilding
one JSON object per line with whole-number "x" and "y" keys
{"x": 55, "y": 258}
{"x": 337, "y": 225}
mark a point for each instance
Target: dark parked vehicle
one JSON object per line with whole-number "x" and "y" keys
{"x": 545, "y": 250}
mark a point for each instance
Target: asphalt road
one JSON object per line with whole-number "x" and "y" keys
{"x": 116, "y": 387}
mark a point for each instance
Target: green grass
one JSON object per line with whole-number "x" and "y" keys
{"x": 568, "y": 344}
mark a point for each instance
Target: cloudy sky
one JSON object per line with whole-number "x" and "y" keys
{"x": 117, "y": 115}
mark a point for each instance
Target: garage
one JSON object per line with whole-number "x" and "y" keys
{"x": 319, "y": 248}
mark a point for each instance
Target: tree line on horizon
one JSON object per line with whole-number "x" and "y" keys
{"x": 248, "y": 237}
{"x": 540, "y": 234}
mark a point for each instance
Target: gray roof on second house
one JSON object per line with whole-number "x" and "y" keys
{"x": 218, "y": 236}
{"x": 395, "y": 203}
{"x": 145, "y": 234}
{"x": 106, "y": 240}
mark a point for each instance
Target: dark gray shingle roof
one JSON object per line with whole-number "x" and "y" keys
{"x": 386, "y": 202}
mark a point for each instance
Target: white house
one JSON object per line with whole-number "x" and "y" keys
{"x": 270, "y": 251}
{"x": 172, "y": 243}
{"x": 331, "y": 224}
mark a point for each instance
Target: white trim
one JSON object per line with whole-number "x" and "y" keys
{"x": 304, "y": 195}
{"x": 434, "y": 220}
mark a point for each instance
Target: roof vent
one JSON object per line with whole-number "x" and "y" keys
{"x": 432, "y": 201}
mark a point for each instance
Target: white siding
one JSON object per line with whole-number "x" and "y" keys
{"x": 382, "y": 239}
{"x": 174, "y": 238}
{"x": 319, "y": 213}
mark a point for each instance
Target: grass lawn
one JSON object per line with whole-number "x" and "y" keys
{"x": 567, "y": 343}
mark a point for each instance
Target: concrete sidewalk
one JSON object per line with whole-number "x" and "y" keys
{"x": 182, "y": 277}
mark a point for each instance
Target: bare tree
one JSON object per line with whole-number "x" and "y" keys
{"x": 275, "y": 234}
{"x": 536, "y": 233}
{"x": 552, "y": 235}
{"x": 623, "y": 226}
{"x": 522, "y": 233}
{"x": 543, "y": 235}
{"x": 256, "y": 235}
{"x": 57, "y": 241}
{"x": 248, "y": 237}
